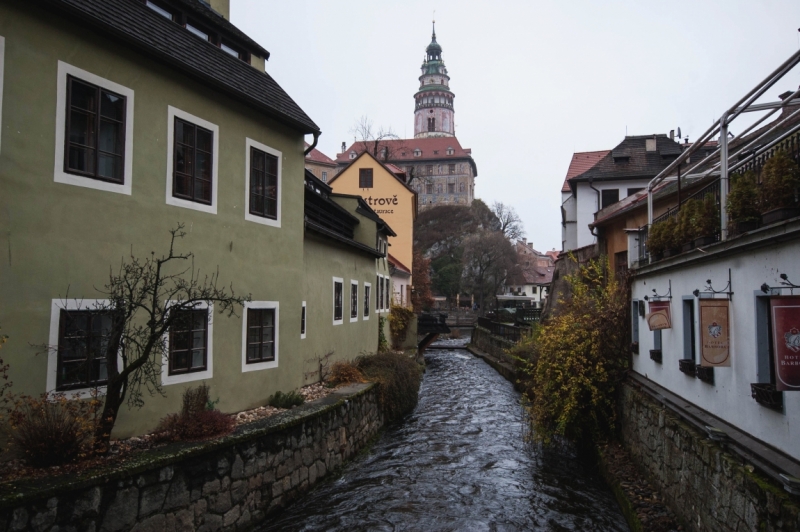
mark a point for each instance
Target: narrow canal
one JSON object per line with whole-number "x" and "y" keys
{"x": 459, "y": 462}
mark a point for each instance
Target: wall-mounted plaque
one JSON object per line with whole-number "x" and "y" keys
{"x": 659, "y": 316}
{"x": 786, "y": 341}
{"x": 715, "y": 333}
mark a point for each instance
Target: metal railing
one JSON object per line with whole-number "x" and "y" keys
{"x": 512, "y": 333}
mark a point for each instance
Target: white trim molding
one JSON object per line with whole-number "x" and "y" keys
{"x": 256, "y": 366}
{"x": 172, "y": 113}
{"x": 2, "y": 69}
{"x": 250, "y": 143}
{"x": 304, "y": 322}
{"x": 368, "y": 307}
{"x": 333, "y": 300}
{"x": 56, "y": 306}
{"x": 59, "y": 175}
{"x": 353, "y": 283}
{"x": 166, "y": 378}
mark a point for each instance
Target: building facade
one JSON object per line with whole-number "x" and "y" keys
{"x": 438, "y": 168}
{"x": 128, "y": 118}
{"x": 322, "y": 166}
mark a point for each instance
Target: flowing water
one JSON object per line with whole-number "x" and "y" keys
{"x": 459, "y": 462}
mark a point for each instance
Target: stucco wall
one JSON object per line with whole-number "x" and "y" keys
{"x": 729, "y": 397}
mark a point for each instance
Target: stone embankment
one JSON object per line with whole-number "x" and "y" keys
{"x": 228, "y": 484}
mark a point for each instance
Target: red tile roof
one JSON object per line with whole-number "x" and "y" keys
{"x": 403, "y": 149}
{"x": 581, "y": 162}
{"x": 319, "y": 157}
{"x": 397, "y": 264}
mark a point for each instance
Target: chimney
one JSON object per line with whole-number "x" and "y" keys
{"x": 344, "y": 147}
{"x": 223, "y": 7}
{"x": 650, "y": 144}
{"x": 671, "y": 134}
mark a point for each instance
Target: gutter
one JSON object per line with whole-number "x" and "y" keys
{"x": 313, "y": 144}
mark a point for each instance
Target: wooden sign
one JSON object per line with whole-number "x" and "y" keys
{"x": 715, "y": 333}
{"x": 786, "y": 341}
{"x": 659, "y": 316}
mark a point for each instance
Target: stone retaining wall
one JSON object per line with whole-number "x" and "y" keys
{"x": 706, "y": 487}
{"x": 494, "y": 345}
{"x": 230, "y": 484}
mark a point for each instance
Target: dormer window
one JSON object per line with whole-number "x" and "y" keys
{"x": 352, "y": 155}
{"x": 230, "y": 50}
{"x": 197, "y": 31}
{"x": 160, "y": 10}
{"x": 450, "y": 151}
{"x": 417, "y": 153}
{"x": 436, "y": 152}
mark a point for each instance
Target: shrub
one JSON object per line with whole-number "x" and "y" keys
{"x": 383, "y": 345}
{"x": 399, "y": 321}
{"x": 706, "y": 220}
{"x": 656, "y": 243}
{"x": 398, "y": 377}
{"x": 52, "y": 429}
{"x": 743, "y": 198}
{"x": 344, "y": 372}
{"x": 285, "y": 400}
{"x": 780, "y": 180}
{"x": 572, "y": 363}
{"x": 686, "y": 221}
{"x": 196, "y": 420}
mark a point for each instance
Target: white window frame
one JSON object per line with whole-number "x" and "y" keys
{"x": 250, "y": 143}
{"x": 268, "y": 364}
{"x": 172, "y": 113}
{"x": 208, "y": 373}
{"x": 380, "y": 295}
{"x": 59, "y": 175}
{"x": 353, "y": 283}
{"x": 56, "y": 306}
{"x": 305, "y": 328}
{"x": 2, "y": 69}
{"x": 333, "y": 300}
{"x": 365, "y": 317}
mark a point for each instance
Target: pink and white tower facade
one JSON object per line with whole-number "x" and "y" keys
{"x": 433, "y": 110}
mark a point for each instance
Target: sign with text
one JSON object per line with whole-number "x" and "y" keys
{"x": 715, "y": 333}
{"x": 785, "y": 313}
{"x": 659, "y": 316}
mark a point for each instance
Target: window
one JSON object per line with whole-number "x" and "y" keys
{"x": 353, "y": 300}
{"x": 94, "y": 131}
{"x": 197, "y": 31}
{"x": 82, "y": 344}
{"x": 609, "y": 197}
{"x": 352, "y": 155}
{"x": 632, "y": 191}
{"x": 379, "y": 299}
{"x": 188, "y": 340}
{"x": 324, "y": 177}
{"x": 417, "y": 153}
{"x": 260, "y": 335}
{"x": 429, "y": 188}
{"x": 386, "y": 294}
{"x": 338, "y": 304}
{"x": 439, "y": 188}
{"x": 365, "y": 178}
{"x": 303, "y": 321}
{"x": 160, "y": 10}
{"x": 431, "y": 124}
{"x": 429, "y": 169}
{"x": 436, "y": 152}
{"x": 263, "y": 184}
{"x": 367, "y": 290}
{"x": 461, "y": 187}
{"x": 451, "y": 168}
{"x": 2, "y": 68}
{"x": 689, "y": 340}
{"x": 192, "y": 162}
{"x": 230, "y": 50}
{"x": 451, "y": 188}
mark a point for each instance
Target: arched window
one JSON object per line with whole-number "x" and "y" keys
{"x": 431, "y": 124}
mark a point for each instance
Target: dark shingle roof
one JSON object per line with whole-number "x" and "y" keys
{"x": 157, "y": 36}
{"x": 630, "y": 159}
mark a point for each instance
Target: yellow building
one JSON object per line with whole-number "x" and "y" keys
{"x": 384, "y": 188}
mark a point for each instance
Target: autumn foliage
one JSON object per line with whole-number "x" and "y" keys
{"x": 574, "y": 362}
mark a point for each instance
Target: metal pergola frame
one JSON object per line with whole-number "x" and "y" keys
{"x": 724, "y": 166}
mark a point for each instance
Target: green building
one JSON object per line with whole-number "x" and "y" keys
{"x": 120, "y": 119}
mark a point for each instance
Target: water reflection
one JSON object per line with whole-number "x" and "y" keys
{"x": 459, "y": 462}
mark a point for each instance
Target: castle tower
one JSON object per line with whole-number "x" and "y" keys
{"x": 433, "y": 109}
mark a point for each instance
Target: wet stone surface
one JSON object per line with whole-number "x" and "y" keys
{"x": 459, "y": 462}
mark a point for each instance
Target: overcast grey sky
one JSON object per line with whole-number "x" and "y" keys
{"x": 534, "y": 81}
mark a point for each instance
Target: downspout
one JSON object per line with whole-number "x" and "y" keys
{"x": 313, "y": 144}
{"x": 591, "y": 229}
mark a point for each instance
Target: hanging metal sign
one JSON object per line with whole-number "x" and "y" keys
{"x": 659, "y": 316}
{"x": 786, "y": 341}
{"x": 715, "y": 333}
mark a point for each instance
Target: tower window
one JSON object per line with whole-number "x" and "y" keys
{"x": 431, "y": 124}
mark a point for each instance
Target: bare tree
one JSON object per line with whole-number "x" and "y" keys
{"x": 376, "y": 140}
{"x": 488, "y": 259}
{"x": 510, "y": 222}
{"x": 144, "y": 298}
